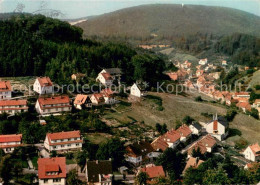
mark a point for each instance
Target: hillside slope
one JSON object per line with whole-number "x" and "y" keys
{"x": 168, "y": 21}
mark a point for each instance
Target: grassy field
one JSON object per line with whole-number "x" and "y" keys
{"x": 97, "y": 138}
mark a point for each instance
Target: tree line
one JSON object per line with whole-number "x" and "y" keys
{"x": 38, "y": 45}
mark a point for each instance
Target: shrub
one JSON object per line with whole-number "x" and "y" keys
{"x": 198, "y": 99}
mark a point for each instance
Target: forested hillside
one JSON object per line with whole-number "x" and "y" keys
{"x": 242, "y": 49}
{"x": 164, "y": 22}
{"x": 36, "y": 45}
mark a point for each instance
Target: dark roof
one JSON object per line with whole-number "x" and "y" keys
{"x": 94, "y": 168}
{"x": 221, "y": 120}
{"x": 196, "y": 125}
{"x": 141, "y": 148}
{"x": 113, "y": 71}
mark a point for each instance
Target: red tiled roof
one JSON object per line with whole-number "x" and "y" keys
{"x": 173, "y": 76}
{"x": 52, "y": 168}
{"x": 206, "y": 141}
{"x": 63, "y": 135}
{"x": 10, "y": 138}
{"x": 99, "y": 97}
{"x": 159, "y": 144}
{"x": 54, "y": 100}
{"x": 244, "y": 105}
{"x": 80, "y": 99}
{"x": 12, "y": 102}
{"x": 253, "y": 165}
{"x": 5, "y": 86}
{"x": 184, "y": 130}
{"x": 44, "y": 81}
{"x": 192, "y": 162}
{"x": 255, "y": 149}
{"x": 215, "y": 125}
{"x": 171, "y": 136}
{"x": 49, "y": 164}
{"x": 154, "y": 171}
{"x": 107, "y": 76}
{"x": 257, "y": 101}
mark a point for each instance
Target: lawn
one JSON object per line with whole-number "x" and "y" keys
{"x": 97, "y": 138}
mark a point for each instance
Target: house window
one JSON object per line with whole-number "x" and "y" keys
{"x": 54, "y": 147}
{"x": 68, "y": 145}
{"x": 62, "y": 146}
{"x": 77, "y": 144}
{"x": 56, "y": 180}
{"x": 45, "y": 180}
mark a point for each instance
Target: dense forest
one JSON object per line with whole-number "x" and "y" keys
{"x": 242, "y": 49}
{"x": 37, "y": 45}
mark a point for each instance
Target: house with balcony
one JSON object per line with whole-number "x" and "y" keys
{"x": 52, "y": 171}
{"x": 53, "y": 105}
{"x": 139, "y": 152}
{"x": 9, "y": 142}
{"x": 13, "y": 106}
{"x": 5, "y": 90}
{"x": 63, "y": 141}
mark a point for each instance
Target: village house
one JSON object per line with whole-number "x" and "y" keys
{"x": 193, "y": 162}
{"x": 139, "y": 152}
{"x": 114, "y": 72}
{"x": 53, "y": 105}
{"x": 180, "y": 75}
{"x": 252, "y": 166}
{"x": 185, "y": 132}
{"x": 13, "y": 106}
{"x": 97, "y": 99}
{"x": 9, "y": 142}
{"x": 224, "y": 63}
{"x": 189, "y": 84}
{"x": 215, "y": 75}
{"x": 203, "y": 61}
{"x": 5, "y": 90}
{"x": 195, "y": 128}
{"x": 82, "y": 101}
{"x": 77, "y": 76}
{"x": 199, "y": 73}
{"x": 52, "y": 171}
{"x": 256, "y": 103}
{"x": 201, "y": 81}
{"x": 43, "y": 85}
{"x": 136, "y": 91}
{"x": 186, "y": 65}
{"x": 205, "y": 145}
{"x": 109, "y": 96}
{"x": 241, "y": 95}
{"x": 153, "y": 172}
{"x": 159, "y": 144}
{"x": 252, "y": 152}
{"x": 99, "y": 172}
{"x": 218, "y": 128}
{"x": 63, "y": 141}
{"x": 105, "y": 79}
{"x": 169, "y": 140}
{"x": 244, "y": 106}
